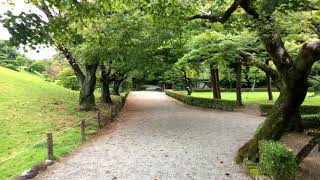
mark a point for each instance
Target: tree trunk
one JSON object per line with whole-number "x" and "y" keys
{"x": 116, "y": 87}
{"x": 87, "y": 99}
{"x": 253, "y": 84}
{"x": 285, "y": 116}
{"x": 269, "y": 87}
{"x": 104, "y": 81}
{"x": 189, "y": 85}
{"x": 230, "y": 83}
{"x": 238, "y": 84}
{"x": 218, "y": 83}
{"x": 213, "y": 79}
{"x": 305, "y": 151}
{"x": 72, "y": 62}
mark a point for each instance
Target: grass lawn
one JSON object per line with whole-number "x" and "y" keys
{"x": 256, "y": 97}
{"x": 29, "y": 107}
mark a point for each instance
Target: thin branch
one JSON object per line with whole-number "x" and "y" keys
{"x": 314, "y": 78}
{"x": 251, "y": 60}
{"x": 223, "y": 18}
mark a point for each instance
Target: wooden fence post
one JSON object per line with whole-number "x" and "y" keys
{"x": 82, "y": 130}
{"x": 50, "y": 146}
{"x": 98, "y": 119}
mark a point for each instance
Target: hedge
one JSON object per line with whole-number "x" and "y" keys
{"x": 234, "y": 90}
{"x": 311, "y": 121}
{"x": 203, "y": 102}
{"x": 310, "y": 114}
{"x": 242, "y": 90}
{"x": 304, "y": 109}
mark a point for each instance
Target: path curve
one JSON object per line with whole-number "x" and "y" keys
{"x": 159, "y": 138}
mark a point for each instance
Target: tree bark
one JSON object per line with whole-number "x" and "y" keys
{"x": 213, "y": 78}
{"x": 189, "y": 86}
{"x": 116, "y": 87}
{"x": 218, "y": 83}
{"x": 72, "y": 62}
{"x": 104, "y": 81}
{"x": 290, "y": 77}
{"x": 87, "y": 99}
{"x": 305, "y": 151}
{"x": 187, "y": 81}
{"x": 238, "y": 84}
{"x": 269, "y": 86}
{"x": 282, "y": 118}
{"x": 285, "y": 115}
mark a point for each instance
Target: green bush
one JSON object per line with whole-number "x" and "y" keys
{"x": 68, "y": 80}
{"x": 277, "y": 161}
{"x": 304, "y": 109}
{"x": 310, "y": 114}
{"x": 202, "y": 102}
{"x": 311, "y": 121}
{"x": 38, "y": 66}
{"x": 234, "y": 90}
{"x": 10, "y": 66}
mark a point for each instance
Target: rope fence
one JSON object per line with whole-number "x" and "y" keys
{"x": 84, "y": 124}
{"x": 50, "y": 136}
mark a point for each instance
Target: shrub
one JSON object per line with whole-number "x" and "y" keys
{"x": 202, "y": 102}
{"x": 277, "y": 161}
{"x": 38, "y": 66}
{"x": 10, "y": 66}
{"x": 234, "y": 90}
{"x": 68, "y": 79}
{"x": 311, "y": 121}
{"x": 304, "y": 109}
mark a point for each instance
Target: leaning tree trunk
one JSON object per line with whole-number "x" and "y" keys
{"x": 238, "y": 84}
{"x": 290, "y": 76}
{"x": 105, "y": 91}
{"x": 72, "y": 62}
{"x": 116, "y": 87}
{"x": 268, "y": 82}
{"x": 87, "y": 99}
{"x": 213, "y": 78}
{"x": 285, "y": 115}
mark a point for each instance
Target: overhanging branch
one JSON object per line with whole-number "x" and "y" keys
{"x": 308, "y": 55}
{"x": 223, "y": 18}
{"x": 251, "y": 60}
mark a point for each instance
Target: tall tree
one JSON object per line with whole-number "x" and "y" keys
{"x": 290, "y": 75}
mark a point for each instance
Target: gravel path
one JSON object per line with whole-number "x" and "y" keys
{"x": 159, "y": 138}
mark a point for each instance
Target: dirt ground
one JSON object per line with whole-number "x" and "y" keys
{"x": 156, "y": 137}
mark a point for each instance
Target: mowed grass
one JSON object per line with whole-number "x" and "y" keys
{"x": 30, "y": 107}
{"x": 256, "y": 97}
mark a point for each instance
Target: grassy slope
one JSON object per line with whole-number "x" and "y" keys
{"x": 29, "y": 107}
{"x": 256, "y": 97}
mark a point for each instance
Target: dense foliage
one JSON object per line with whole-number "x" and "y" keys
{"x": 277, "y": 161}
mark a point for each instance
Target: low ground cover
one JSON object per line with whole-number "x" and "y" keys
{"x": 29, "y": 107}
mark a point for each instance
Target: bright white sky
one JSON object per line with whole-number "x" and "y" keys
{"x": 19, "y": 6}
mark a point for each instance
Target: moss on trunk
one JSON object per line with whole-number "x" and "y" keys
{"x": 116, "y": 87}
{"x": 87, "y": 99}
{"x": 285, "y": 116}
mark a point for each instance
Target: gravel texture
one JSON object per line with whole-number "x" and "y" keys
{"x": 158, "y": 138}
